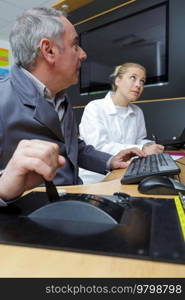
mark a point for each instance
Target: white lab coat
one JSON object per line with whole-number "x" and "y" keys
{"x": 111, "y": 128}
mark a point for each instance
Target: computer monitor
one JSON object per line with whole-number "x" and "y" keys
{"x": 141, "y": 37}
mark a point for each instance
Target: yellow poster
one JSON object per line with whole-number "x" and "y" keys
{"x": 4, "y": 57}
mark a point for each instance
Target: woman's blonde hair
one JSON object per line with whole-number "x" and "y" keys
{"x": 121, "y": 69}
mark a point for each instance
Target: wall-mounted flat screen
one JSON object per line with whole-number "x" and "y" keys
{"x": 141, "y": 37}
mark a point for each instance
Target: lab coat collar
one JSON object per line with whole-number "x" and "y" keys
{"x": 110, "y": 107}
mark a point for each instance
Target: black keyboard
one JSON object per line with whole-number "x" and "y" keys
{"x": 155, "y": 164}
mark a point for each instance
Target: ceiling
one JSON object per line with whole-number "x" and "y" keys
{"x": 10, "y": 9}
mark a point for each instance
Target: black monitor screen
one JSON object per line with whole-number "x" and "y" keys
{"x": 140, "y": 38}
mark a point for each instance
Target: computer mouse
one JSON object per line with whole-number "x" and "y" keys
{"x": 161, "y": 185}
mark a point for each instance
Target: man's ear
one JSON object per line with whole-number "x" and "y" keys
{"x": 48, "y": 50}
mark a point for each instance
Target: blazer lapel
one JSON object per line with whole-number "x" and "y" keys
{"x": 45, "y": 114}
{"x": 70, "y": 134}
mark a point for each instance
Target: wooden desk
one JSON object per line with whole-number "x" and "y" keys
{"x": 18, "y": 261}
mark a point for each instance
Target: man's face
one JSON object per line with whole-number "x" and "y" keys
{"x": 69, "y": 58}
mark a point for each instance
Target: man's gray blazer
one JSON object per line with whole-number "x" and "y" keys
{"x": 25, "y": 114}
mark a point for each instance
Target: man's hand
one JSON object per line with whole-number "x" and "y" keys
{"x": 120, "y": 160}
{"x": 153, "y": 148}
{"x": 32, "y": 161}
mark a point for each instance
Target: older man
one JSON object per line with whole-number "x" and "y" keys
{"x": 33, "y": 102}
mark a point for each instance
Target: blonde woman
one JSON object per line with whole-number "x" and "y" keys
{"x": 114, "y": 123}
